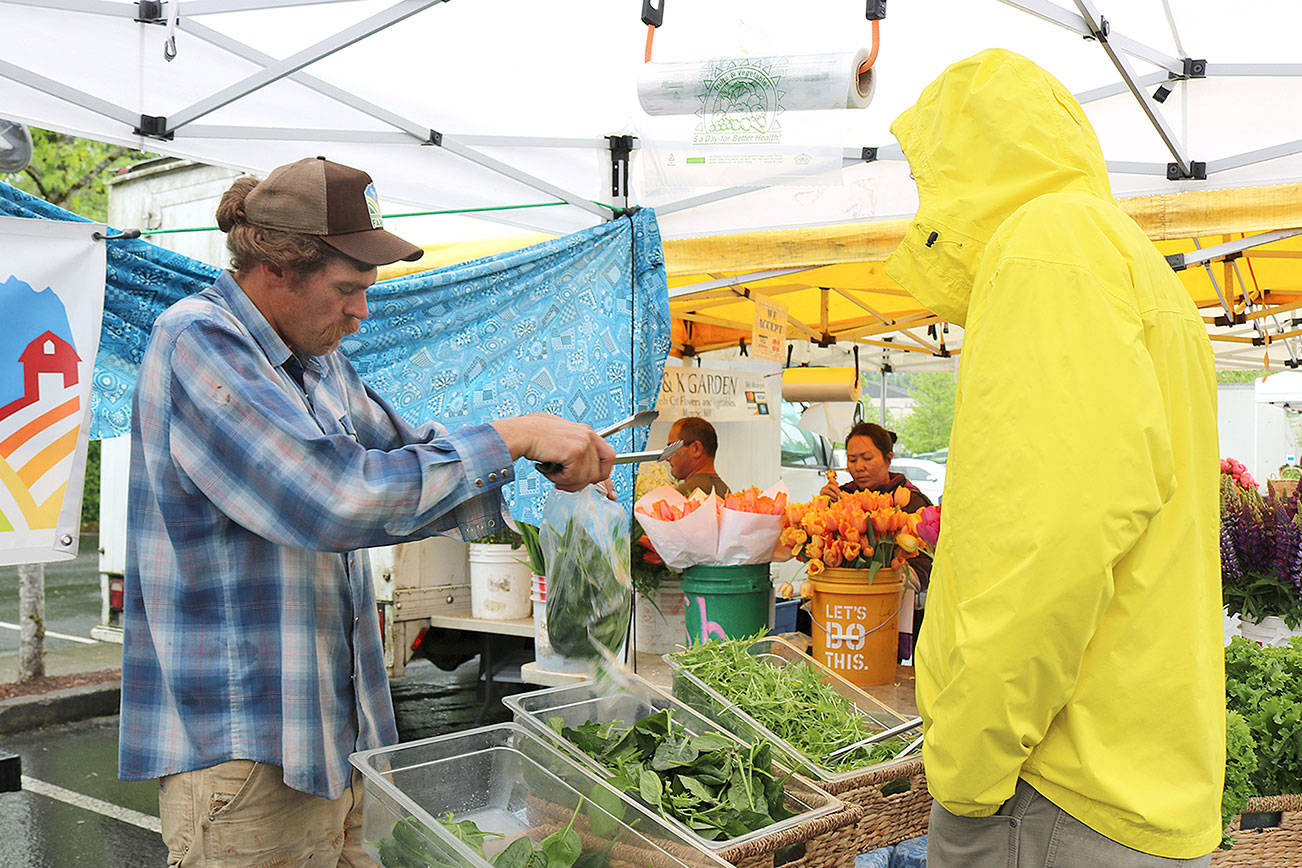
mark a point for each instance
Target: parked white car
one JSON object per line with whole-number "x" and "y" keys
{"x": 928, "y": 476}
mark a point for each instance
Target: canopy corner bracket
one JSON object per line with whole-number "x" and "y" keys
{"x": 1193, "y": 68}
{"x": 154, "y": 127}
{"x": 621, "y": 148}
{"x": 149, "y": 11}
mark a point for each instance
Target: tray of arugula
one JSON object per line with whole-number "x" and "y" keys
{"x": 697, "y": 777}
{"x": 498, "y": 796}
{"x": 767, "y": 691}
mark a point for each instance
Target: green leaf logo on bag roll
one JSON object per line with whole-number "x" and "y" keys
{"x": 584, "y": 538}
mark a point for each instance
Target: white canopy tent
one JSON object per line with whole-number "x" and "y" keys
{"x": 508, "y": 104}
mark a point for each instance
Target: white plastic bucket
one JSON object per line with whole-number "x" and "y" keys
{"x": 499, "y": 582}
{"x": 661, "y": 625}
{"x": 1270, "y": 632}
{"x": 543, "y": 653}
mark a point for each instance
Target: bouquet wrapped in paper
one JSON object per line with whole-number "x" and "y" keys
{"x": 684, "y": 531}
{"x": 741, "y": 528}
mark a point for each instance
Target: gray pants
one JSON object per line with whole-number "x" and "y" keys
{"x": 1029, "y": 830}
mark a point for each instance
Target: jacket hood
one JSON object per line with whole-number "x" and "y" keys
{"x": 989, "y": 135}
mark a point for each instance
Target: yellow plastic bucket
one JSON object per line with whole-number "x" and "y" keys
{"x": 854, "y": 622}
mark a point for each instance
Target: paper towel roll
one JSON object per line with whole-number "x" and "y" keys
{"x": 814, "y": 385}
{"x": 756, "y": 85}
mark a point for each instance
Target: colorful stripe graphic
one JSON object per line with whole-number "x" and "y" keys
{"x": 38, "y": 437}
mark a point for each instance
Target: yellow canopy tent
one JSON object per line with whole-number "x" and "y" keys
{"x": 831, "y": 280}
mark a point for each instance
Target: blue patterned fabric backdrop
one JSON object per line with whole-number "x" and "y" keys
{"x": 577, "y": 326}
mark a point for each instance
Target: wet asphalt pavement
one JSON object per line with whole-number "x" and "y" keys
{"x": 40, "y": 829}
{"x": 73, "y": 810}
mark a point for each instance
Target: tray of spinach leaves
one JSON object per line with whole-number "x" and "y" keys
{"x": 663, "y": 754}
{"x": 408, "y": 847}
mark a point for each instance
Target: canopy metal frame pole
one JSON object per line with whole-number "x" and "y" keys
{"x": 59, "y": 90}
{"x": 421, "y": 133}
{"x": 737, "y": 279}
{"x": 1055, "y": 14}
{"x": 1180, "y": 261}
{"x": 292, "y": 64}
{"x": 704, "y": 199}
{"x": 1100, "y": 30}
{"x": 203, "y": 7}
{"x": 1261, "y": 155}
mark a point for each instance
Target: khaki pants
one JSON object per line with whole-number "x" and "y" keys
{"x": 1029, "y": 830}
{"x": 240, "y": 814}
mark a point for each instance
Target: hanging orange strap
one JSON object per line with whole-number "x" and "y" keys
{"x": 863, "y": 67}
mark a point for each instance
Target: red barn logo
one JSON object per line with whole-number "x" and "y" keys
{"x": 38, "y": 435}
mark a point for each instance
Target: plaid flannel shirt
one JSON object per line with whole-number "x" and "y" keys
{"x": 251, "y": 629}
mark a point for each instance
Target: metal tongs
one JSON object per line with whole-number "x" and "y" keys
{"x": 637, "y": 420}
{"x": 882, "y": 736}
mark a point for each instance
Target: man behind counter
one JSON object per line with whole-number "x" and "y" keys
{"x": 693, "y": 464}
{"x": 252, "y": 657}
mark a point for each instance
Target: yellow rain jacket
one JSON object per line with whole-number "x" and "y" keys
{"x": 1073, "y": 631}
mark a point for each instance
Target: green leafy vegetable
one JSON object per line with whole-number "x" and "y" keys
{"x": 589, "y": 590}
{"x": 792, "y": 701}
{"x": 1264, "y": 685}
{"x": 713, "y": 784}
{"x": 1240, "y": 763}
{"x": 537, "y": 561}
{"x": 408, "y": 847}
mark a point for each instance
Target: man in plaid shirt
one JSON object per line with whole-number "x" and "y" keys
{"x": 252, "y": 660}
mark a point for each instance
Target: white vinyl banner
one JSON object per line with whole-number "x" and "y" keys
{"x": 51, "y": 302}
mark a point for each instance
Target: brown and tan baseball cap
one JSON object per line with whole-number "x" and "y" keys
{"x": 334, "y": 202}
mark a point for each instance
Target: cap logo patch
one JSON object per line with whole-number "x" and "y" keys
{"x": 373, "y": 206}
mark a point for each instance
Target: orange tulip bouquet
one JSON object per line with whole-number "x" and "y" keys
{"x": 741, "y": 528}
{"x": 862, "y": 530}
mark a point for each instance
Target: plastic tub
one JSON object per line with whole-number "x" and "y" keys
{"x": 580, "y": 703}
{"x": 659, "y": 622}
{"x": 544, "y": 654}
{"x": 726, "y": 602}
{"x": 500, "y": 580}
{"x": 511, "y": 784}
{"x": 777, "y": 652}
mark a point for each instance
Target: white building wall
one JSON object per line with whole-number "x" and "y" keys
{"x": 1256, "y": 434}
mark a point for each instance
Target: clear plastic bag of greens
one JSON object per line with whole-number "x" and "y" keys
{"x": 584, "y": 537}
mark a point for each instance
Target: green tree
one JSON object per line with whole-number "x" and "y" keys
{"x": 1237, "y": 376}
{"x": 871, "y": 411}
{"x": 927, "y": 428}
{"x": 71, "y": 172}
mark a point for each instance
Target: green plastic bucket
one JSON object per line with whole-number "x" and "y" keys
{"x": 726, "y": 602}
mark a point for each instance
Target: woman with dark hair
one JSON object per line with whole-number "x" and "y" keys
{"x": 869, "y": 449}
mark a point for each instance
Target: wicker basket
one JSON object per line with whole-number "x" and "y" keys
{"x": 827, "y": 842}
{"x": 819, "y": 842}
{"x": 887, "y": 819}
{"x": 1277, "y": 847}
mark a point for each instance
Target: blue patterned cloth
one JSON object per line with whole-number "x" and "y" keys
{"x": 248, "y": 615}
{"x": 578, "y": 326}
{"x": 879, "y": 858}
{"x": 910, "y": 854}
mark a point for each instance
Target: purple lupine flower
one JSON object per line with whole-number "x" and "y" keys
{"x": 1256, "y": 540}
{"x": 1288, "y": 548}
{"x": 1231, "y": 570}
